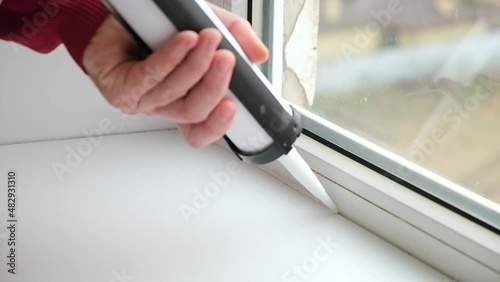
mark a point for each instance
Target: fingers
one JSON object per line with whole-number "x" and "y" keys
{"x": 217, "y": 124}
{"x": 162, "y": 62}
{"x": 186, "y": 75}
{"x": 169, "y": 74}
{"x": 242, "y": 31}
{"x": 148, "y": 74}
{"x": 204, "y": 97}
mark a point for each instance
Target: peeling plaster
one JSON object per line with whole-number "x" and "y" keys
{"x": 301, "y": 54}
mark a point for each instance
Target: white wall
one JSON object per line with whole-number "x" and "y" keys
{"x": 45, "y": 97}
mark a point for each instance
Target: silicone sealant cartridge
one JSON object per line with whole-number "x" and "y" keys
{"x": 264, "y": 128}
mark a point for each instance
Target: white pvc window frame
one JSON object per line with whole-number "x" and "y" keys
{"x": 430, "y": 232}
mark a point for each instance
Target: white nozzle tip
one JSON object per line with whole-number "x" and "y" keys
{"x": 303, "y": 173}
{"x": 331, "y": 205}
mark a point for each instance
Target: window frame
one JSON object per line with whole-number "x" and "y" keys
{"x": 421, "y": 181}
{"x": 347, "y": 167}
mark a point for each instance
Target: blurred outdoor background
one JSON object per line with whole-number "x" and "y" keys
{"x": 419, "y": 78}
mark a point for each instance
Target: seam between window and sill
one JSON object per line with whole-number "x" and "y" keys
{"x": 410, "y": 204}
{"x": 382, "y": 176}
{"x": 405, "y": 221}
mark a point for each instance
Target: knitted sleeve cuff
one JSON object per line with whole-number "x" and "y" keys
{"x": 80, "y": 19}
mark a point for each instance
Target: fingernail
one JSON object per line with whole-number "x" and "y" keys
{"x": 224, "y": 66}
{"x": 226, "y": 114}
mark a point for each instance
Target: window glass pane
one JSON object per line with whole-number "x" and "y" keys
{"x": 419, "y": 78}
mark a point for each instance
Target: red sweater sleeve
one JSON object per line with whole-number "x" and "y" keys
{"x": 42, "y": 25}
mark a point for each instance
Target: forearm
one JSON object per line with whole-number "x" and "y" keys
{"x": 42, "y": 25}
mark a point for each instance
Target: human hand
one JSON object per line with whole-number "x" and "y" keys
{"x": 184, "y": 81}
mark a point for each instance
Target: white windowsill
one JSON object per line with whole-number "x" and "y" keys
{"x": 118, "y": 211}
